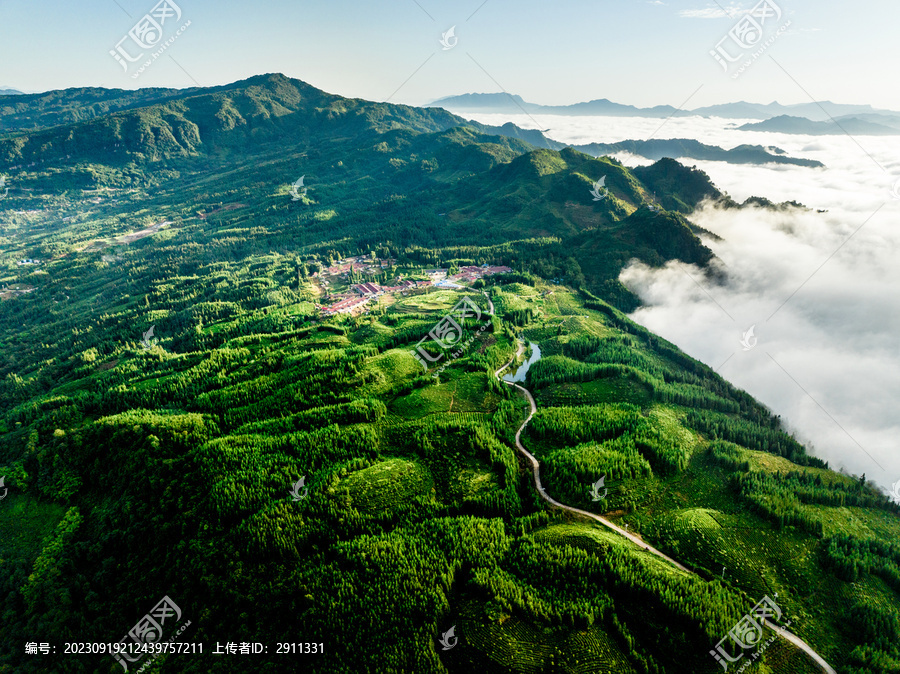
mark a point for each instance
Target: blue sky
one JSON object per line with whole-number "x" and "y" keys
{"x": 642, "y": 52}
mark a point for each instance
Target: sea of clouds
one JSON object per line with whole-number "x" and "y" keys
{"x": 821, "y": 290}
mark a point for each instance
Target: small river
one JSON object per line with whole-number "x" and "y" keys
{"x": 520, "y": 374}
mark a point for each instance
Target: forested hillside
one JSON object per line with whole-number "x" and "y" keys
{"x": 291, "y": 476}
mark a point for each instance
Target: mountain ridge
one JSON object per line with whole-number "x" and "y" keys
{"x": 481, "y": 178}
{"x": 180, "y": 135}
{"x": 889, "y": 125}
{"x": 503, "y": 102}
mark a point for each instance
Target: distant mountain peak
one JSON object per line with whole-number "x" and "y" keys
{"x": 478, "y": 99}
{"x": 859, "y": 123}
{"x": 512, "y": 103}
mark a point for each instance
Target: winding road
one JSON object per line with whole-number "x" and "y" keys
{"x": 536, "y": 468}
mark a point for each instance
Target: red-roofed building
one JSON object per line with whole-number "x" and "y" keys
{"x": 368, "y": 289}
{"x": 345, "y": 306}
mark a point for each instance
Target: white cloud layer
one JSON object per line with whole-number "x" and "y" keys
{"x": 822, "y": 289}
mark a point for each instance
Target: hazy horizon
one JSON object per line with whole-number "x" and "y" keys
{"x": 468, "y": 93}
{"x": 662, "y": 52}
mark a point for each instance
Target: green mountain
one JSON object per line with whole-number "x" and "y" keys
{"x": 270, "y": 130}
{"x": 51, "y": 108}
{"x": 179, "y": 418}
{"x": 34, "y": 112}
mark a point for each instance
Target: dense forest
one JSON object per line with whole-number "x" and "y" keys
{"x": 287, "y": 476}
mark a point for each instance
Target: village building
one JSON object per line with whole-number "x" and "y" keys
{"x": 369, "y": 289}
{"x": 345, "y": 306}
